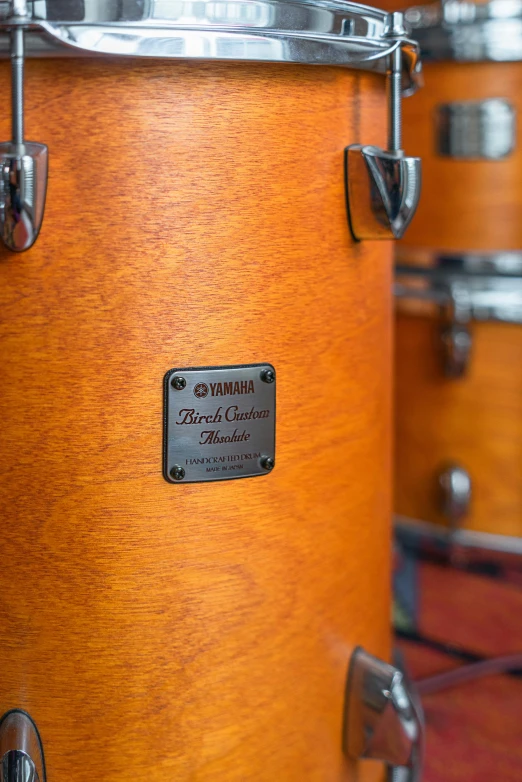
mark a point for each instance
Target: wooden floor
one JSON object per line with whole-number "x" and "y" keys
{"x": 474, "y": 731}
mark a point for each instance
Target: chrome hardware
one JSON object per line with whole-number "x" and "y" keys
{"x": 246, "y": 439}
{"x": 474, "y": 130}
{"x": 425, "y": 536}
{"x": 23, "y": 173}
{"x": 456, "y": 343}
{"x": 455, "y": 334}
{"x": 333, "y": 33}
{"x": 18, "y": 767}
{"x": 21, "y": 753}
{"x": 455, "y": 493}
{"x": 452, "y": 296}
{"x": 481, "y": 286}
{"x": 468, "y": 32}
{"x": 383, "y": 187}
{"x": 383, "y": 192}
{"x": 383, "y": 717}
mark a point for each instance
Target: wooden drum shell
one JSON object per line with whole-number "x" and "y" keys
{"x": 196, "y": 216}
{"x": 465, "y": 204}
{"x": 476, "y": 421}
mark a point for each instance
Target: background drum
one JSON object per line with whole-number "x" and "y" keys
{"x": 458, "y": 386}
{"x": 195, "y": 216}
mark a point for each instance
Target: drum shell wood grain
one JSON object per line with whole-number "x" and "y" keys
{"x": 475, "y": 421}
{"x": 465, "y": 204}
{"x": 195, "y": 216}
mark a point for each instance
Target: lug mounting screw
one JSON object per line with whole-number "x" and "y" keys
{"x": 268, "y": 376}
{"x": 178, "y": 383}
{"x": 177, "y": 473}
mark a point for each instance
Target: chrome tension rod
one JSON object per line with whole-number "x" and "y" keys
{"x": 24, "y": 164}
{"x": 383, "y": 186}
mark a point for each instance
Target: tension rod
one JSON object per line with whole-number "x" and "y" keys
{"x": 395, "y": 102}
{"x": 394, "y": 84}
{"x": 23, "y": 165}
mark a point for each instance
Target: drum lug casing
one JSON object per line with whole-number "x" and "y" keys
{"x": 455, "y": 493}
{"x": 21, "y": 753}
{"x": 457, "y": 343}
{"x": 23, "y": 186}
{"x": 383, "y": 191}
{"x": 383, "y": 187}
{"x": 23, "y": 173}
{"x": 383, "y": 717}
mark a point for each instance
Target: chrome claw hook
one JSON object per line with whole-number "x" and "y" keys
{"x": 23, "y": 172}
{"x": 383, "y": 187}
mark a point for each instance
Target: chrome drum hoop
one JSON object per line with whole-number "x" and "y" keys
{"x": 472, "y": 547}
{"x": 474, "y": 286}
{"x": 297, "y": 31}
{"x": 315, "y": 32}
{"x": 467, "y": 31}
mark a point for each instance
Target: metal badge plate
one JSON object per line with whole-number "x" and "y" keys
{"x": 476, "y": 130}
{"x": 219, "y": 423}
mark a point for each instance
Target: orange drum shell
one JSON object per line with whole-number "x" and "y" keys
{"x": 465, "y": 204}
{"x": 475, "y": 421}
{"x": 195, "y": 216}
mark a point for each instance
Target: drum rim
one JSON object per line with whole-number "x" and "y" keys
{"x": 502, "y": 263}
{"x": 468, "y": 31}
{"x": 318, "y": 32}
{"x": 488, "y": 284}
{"x": 421, "y": 535}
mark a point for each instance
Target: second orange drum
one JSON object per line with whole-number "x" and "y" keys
{"x": 459, "y": 284}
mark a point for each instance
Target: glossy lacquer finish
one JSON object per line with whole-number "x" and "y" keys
{"x": 196, "y": 216}
{"x": 466, "y": 206}
{"x": 475, "y": 421}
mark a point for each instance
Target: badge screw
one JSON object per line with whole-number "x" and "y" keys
{"x": 178, "y": 383}
{"x": 268, "y": 463}
{"x": 268, "y": 375}
{"x": 177, "y": 473}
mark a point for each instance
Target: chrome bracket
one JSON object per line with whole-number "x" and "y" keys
{"x": 456, "y": 338}
{"x": 23, "y": 173}
{"x": 456, "y": 345}
{"x": 460, "y": 298}
{"x": 383, "y": 717}
{"x": 383, "y": 187}
{"x": 21, "y": 753}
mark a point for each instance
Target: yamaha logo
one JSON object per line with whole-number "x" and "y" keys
{"x": 232, "y": 389}
{"x": 200, "y": 390}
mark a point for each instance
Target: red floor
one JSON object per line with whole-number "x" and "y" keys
{"x": 474, "y": 730}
